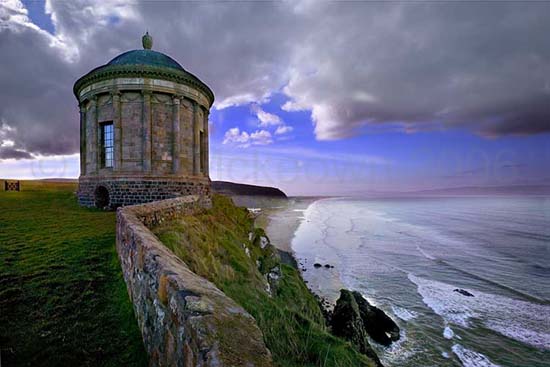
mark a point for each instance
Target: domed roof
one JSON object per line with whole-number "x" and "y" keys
{"x": 143, "y": 63}
{"x": 145, "y": 57}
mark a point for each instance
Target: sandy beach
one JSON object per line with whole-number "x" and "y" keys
{"x": 282, "y": 218}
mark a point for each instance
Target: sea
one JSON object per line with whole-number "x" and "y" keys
{"x": 408, "y": 256}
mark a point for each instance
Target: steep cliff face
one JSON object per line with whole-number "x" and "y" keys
{"x": 222, "y": 245}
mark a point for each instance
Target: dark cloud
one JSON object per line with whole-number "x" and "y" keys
{"x": 11, "y": 153}
{"x": 355, "y": 65}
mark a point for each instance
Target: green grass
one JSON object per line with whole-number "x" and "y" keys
{"x": 291, "y": 320}
{"x": 63, "y": 301}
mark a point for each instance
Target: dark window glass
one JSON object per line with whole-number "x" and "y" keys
{"x": 107, "y": 144}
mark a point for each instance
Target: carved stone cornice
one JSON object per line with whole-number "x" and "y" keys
{"x": 144, "y": 71}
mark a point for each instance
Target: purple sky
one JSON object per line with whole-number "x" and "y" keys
{"x": 312, "y": 97}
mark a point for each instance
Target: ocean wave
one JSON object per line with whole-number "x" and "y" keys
{"x": 403, "y": 313}
{"x": 401, "y": 351}
{"x": 520, "y": 320}
{"x": 448, "y": 333}
{"x": 470, "y": 358}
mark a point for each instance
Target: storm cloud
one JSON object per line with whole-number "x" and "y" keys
{"x": 484, "y": 67}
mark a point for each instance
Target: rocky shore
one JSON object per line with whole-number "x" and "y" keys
{"x": 351, "y": 316}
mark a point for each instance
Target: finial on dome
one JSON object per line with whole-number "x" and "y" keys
{"x": 147, "y": 41}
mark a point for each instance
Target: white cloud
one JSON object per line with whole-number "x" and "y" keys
{"x": 283, "y": 129}
{"x": 243, "y": 139}
{"x": 7, "y": 143}
{"x": 261, "y": 137}
{"x": 266, "y": 119}
{"x": 234, "y": 135}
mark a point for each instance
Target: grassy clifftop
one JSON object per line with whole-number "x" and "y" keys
{"x": 63, "y": 301}
{"x": 223, "y": 246}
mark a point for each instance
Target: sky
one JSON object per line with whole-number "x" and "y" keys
{"x": 314, "y": 97}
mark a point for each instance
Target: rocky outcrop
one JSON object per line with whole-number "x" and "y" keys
{"x": 184, "y": 319}
{"x": 347, "y": 323}
{"x": 464, "y": 292}
{"x": 269, "y": 262}
{"x": 380, "y": 327}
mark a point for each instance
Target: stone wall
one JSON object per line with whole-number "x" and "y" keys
{"x": 184, "y": 319}
{"x": 136, "y": 190}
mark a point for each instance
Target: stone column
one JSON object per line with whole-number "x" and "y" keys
{"x": 176, "y": 137}
{"x": 83, "y": 133}
{"x": 206, "y": 137}
{"x": 117, "y": 125}
{"x": 98, "y": 136}
{"x": 196, "y": 142}
{"x": 146, "y": 124}
{"x": 94, "y": 135}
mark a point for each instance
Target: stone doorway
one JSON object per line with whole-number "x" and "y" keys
{"x": 101, "y": 197}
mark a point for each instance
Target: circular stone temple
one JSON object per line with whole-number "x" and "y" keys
{"x": 143, "y": 130}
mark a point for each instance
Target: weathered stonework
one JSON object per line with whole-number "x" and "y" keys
{"x": 159, "y": 115}
{"x": 131, "y": 190}
{"x": 184, "y": 319}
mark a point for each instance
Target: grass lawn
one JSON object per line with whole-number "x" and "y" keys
{"x": 63, "y": 301}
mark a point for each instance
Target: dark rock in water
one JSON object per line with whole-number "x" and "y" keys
{"x": 381, "y": 328}
{"x": 347, "y": 323}
{"x": 463, "y": 292}
{"x": 327, "y": 266}
{"x": 317, "y": 265}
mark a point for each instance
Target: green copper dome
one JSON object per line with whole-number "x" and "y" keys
{"x": 145, "y": 57}
{"x": 144, "y": 63}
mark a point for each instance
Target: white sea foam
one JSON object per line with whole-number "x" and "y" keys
{"x": 448, "y": 333}
{"x": 401, "y": 351}
{"x": 403, "y": 313}
{"x": 470, "y": 358}
{"x": 520, "y": 320}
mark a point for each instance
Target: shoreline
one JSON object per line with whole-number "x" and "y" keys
{"x": 280, "y": 222}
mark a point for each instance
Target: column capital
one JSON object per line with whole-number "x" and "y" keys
{"x": 176, "y": 99}
{"x": 146, "y": 92}
{"x": 115, "y": 93}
